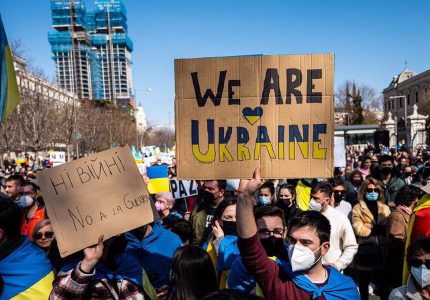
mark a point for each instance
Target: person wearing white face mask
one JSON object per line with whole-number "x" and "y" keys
{"x": 33, "y": 212}
{"x": 307, "y": 277}
{"x": 343, "y": 244}
{"x": 418, "y": 285}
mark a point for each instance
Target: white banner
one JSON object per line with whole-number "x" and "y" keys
{"x": 339, "y": 152}
{"x": 183, "y": 188}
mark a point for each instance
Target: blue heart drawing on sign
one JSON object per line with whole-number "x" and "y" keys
{"x": 252, "y": 115}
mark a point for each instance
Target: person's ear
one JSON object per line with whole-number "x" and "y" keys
{"x": 285, "y": 233}
{"x": 324, "y": 248}
{"x": 331, "y": 200}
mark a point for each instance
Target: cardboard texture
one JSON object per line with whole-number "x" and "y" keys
{"x": 233, "y": 114}
{"x": 100, "y": 194}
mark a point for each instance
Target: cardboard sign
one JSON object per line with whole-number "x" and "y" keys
{"x": 100, "y": 194}
{"x": 183, "y": 188}
{"x": 233, "y": 114}
{"x": 339, "y": 151}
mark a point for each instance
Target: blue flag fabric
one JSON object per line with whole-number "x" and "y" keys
{"x": 338, "y": 285}
{"x": 23, "y": 273}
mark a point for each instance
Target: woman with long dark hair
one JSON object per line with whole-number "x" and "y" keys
{"x": 286, "y": 201}
{"x": 192, "y": 275}
{"x": 222, "y": 242}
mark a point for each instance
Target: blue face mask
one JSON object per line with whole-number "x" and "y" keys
{"x": 263, "y": 200}
{"x": 373, "y": 196}
{"x": 428, "y": 181}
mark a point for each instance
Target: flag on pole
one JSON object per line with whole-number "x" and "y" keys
{"x": 9, "y": 95}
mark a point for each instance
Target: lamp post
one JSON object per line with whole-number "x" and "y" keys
{"x": 406, "y": 114}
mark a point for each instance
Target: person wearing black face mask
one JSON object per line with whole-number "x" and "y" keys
{"x": 339, "y": 202}
{"x": 286, "y": 201}
{"x": 388, "y": 180}
{"x": 222, "y": 242}
{"x": 272, "y": 232}
{"x": 407, "y": 175}
{"x": 210, "y": 196}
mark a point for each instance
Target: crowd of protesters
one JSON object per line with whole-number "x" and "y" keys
{"x": 365, "y": 231}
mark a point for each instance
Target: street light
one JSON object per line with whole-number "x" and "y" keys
{"x": 406, "y": 114}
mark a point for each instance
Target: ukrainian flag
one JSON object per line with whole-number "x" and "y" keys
{"x": 158, "y": 179}
{"x": 26, "y": 273}
{"x": 9, "y": 95}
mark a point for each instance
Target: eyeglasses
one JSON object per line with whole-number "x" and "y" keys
{"x": 48, "y": 235}
{"x": 339, "y": 192}
{"x": 372, "y": 190}
{"x": 277, "y": 232}
{"x": 415, "y": 262}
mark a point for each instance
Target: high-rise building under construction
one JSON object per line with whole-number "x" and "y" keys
{"x": 92, "y": 49}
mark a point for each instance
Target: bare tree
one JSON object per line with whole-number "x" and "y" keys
{"x": 37, "y": 115}
{"x": 159, "y": 137}
{"x": 358, "y": 99}
{"x": 10, "y": 133}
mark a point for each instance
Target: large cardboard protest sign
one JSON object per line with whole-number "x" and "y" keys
{"x": 100, "y": 194}
{"x": 233, "y": 114}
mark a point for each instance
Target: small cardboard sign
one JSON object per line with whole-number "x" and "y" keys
{"x": 183, "y": 188}
{"x": 233, "y": 114}
{"x": 100, "y": 194}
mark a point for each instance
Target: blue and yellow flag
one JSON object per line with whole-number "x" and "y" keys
{"x": 26, "y": 274}
{"x": 158, "y": 179}
{"x": 9, "y": 95}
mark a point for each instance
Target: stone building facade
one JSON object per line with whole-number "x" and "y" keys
{"x": 408, "y": 96}
{"x": 416, "y": 90}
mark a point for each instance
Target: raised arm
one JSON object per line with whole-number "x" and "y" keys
{"x": 246, "y": 226}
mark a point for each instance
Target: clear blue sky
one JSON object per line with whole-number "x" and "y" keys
{"x": 371, "y": 39}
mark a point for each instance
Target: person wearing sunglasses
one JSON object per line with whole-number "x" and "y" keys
{"x": 418, "y": 284}
{"x": 339, "y": 196}
{"x": 43, "y": 235}
{"x": 369, "y": 219}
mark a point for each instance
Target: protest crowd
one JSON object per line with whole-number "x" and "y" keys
{"x": 366, "y": 231}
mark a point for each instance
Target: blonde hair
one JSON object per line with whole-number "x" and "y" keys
{"x": 38, "y": 226}
{"x": 362, "y": 192}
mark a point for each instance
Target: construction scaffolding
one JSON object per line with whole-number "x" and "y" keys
{"x": 92, "y": 49}
{"x": 62, "y": 16}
